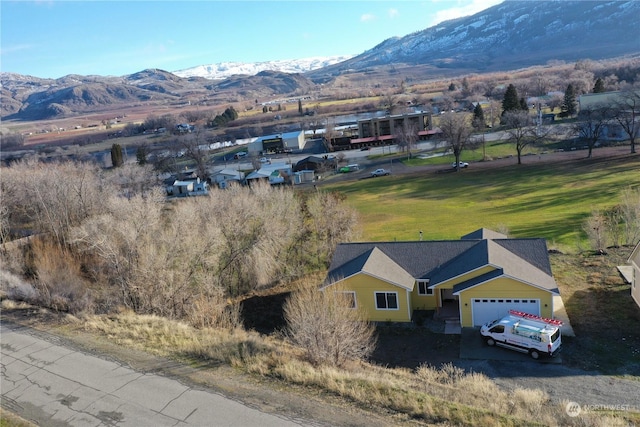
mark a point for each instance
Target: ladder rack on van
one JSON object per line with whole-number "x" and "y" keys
{"x": 554, "y": 322}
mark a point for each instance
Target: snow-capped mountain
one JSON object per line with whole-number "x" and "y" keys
{"x": 223, "y": 70}
{"x": 512, "y": 34}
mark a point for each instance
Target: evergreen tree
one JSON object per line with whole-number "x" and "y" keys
{"x": 599, "y": 86}
{"x": 523, "y": 104}
{"x": 116, "y": 155}
{"x": 569, "y": 107}
{"x": 300, "y": 107}
{"x": 510, "y": 102}
{"x": 452, "y": 87}
{"x": 478, "y": 117}
{"x": 141, "y": 155}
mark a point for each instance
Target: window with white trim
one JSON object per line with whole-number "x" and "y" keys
{"x": 423, "y": 288}
{"x": 387, "y": 300}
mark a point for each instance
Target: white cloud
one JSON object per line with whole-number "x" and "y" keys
{"x": 393, "y": 13}
{"x": 463, "y": 8}
{"x": 367, "y": 17}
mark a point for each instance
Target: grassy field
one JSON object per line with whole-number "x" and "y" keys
{"x": 529, "y": 200}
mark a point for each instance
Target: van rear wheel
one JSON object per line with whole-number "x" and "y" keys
{"x": 491, "y": 342}
{"x": 534, "y": 354}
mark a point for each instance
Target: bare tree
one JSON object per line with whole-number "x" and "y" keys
{"x": 591, "y": 125}
{"x": 328, "y": 326}
{"x": 627, "y": 114}
{"x": 330, "y": 129}
{"x": 390, "y": 103}
{"x": 56, "y": 197}
{"x": 330, "y": 222}
{"x": 133, "y": 179}
{"x": 197, "y": 150}
{"x": 456, "y": 129}
{"x": 407, "y": 136}
{"x": 519, "y": 130}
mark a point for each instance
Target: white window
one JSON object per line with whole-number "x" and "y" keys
{"x": 349, "y": 298}
{"x": 387, "y": 300}
{"x": 423, "y": 288}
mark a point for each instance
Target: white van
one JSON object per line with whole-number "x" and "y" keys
{"x": 524, "y": 332}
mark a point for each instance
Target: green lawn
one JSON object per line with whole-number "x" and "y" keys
{"x": 550, "y": 201}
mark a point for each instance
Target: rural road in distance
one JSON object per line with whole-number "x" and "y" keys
{"x": 50, "y": 384}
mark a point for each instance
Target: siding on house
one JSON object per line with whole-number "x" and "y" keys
{"x": 365, "y": 287}
{"x": 424, "y": 302}
{"x": 504, "y": 287}
{"x": 483, "y": 264}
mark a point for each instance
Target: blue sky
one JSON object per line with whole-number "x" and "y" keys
{"x": 55, "y": 38}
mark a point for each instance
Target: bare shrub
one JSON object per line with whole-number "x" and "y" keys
{"x": 595, "y": 227}
{"x": 214, "y": 311}
{"x": 327, "y": 327}
{"x": 52, "y": 197}
{"x": 59, "y": 283}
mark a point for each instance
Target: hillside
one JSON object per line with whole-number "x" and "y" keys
{"x": 510, "y": 35}
{"x": 32, "y": 98}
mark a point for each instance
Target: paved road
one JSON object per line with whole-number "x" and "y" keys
{"x": 53, "y": 385}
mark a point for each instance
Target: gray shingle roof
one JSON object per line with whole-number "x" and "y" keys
{"x": 416, "y": 258}
{"x": 526, "y": 260}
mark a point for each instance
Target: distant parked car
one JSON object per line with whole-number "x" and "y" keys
{"x": 461, "y": 164}
{"x": 240, "y": 155}
{"x": 380, "y": 172}
{"x": 264, "y": 160}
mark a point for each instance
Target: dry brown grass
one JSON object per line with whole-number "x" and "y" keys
{"x": 8, "y": 419}
{"x": 448, "y": 395}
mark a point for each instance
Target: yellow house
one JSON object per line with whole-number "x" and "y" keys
{"x": 476, "y": 279}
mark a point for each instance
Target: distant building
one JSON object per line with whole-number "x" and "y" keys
{"x": 278, "y": 143}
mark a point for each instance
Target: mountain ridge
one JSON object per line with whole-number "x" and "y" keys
{"x": 508, "y": 36}
{"x": 223, "y": 70}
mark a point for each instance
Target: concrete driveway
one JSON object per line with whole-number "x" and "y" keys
{"x": 472, "y": 346}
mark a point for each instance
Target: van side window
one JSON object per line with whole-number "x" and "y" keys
{"x": 498, "y": 329}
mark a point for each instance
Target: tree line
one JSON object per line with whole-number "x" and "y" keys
{"x": 108, "y": 238}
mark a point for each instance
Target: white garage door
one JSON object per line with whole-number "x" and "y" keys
{"x": 485, "y": 310}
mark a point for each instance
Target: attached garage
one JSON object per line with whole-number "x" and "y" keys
{"x": 482, "y": 301}
{"x": 484, "y": 310}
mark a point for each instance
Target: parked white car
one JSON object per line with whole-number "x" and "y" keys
{"x": 461, "y": 164}
{"x": 380, "y": 172}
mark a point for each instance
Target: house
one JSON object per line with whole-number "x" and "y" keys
{"x": 188, "y": 188}
{"x": 224, "y": 177}
{"x": 631, "y": 273}
{"x": 475, "y": 279}
{"x": 275, "y": 173}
